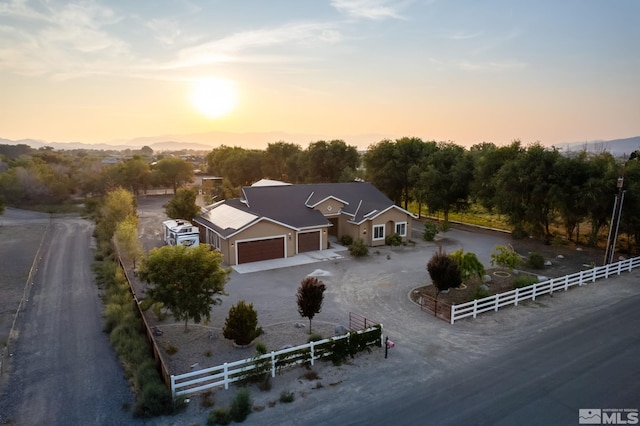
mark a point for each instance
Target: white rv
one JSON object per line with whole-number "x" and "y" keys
{"x": 178, "y": 231}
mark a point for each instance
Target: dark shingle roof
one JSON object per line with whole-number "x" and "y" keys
{"x": 292, "y": 205}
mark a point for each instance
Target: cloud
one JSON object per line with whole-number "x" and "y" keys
{"x": 369, "y": 9}
{"x": 58, "y": 39}
{"x": 491, "y": 66}
{"x": 463, "y": 35}
{"x": 234, "y": 48}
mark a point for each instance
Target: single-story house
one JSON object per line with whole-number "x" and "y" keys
{"x": 276, "y": 220}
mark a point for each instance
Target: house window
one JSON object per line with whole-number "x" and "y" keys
{"x": 378, "y": 232}
{"x": 401, "y": 229}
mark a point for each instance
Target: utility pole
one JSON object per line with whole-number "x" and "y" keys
{"x": 615, "y": 222}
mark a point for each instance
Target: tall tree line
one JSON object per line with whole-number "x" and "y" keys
{"x": 537, "y": 188}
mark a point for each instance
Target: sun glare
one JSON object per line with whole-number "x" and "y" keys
{"x": 213, "y": 97}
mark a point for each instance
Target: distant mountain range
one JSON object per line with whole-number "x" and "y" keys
{"x": 257, "y": 140}
{"x": 204, "y": 141}
{"x": 617, "y": 147}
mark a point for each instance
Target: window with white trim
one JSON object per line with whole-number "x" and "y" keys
{"x": 378, "y": 232}
{"x": 401, "y": 229}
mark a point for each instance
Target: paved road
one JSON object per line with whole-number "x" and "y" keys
{"x": 590, "y": 362}
{"x": 63, "y": 370}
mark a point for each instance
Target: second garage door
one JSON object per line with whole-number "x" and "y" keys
{"x": 308, "y": 241}
{"x": 253, "y": 251}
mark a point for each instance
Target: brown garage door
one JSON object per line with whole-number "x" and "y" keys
{"x": 308, "y": 241}
{"x": 253, "y": 251}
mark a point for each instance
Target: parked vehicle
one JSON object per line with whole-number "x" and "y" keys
{"x": 178, "y": 231}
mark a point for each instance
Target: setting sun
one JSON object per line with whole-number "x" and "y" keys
{"x": 213, "y": 97}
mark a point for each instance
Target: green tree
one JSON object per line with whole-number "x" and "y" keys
{"x": 469, "y": 265}
{"x": 526, "y": 188}
{"x": 187, "y": 280}
{"x": 572, "y": 173}
{"x": 599, "y": 191}
{"x": 183, "y": 205}
{"x": 488, "y": 159}
{"x": 173, "y": 172}
{"x": 126, "y": 236}
{"x": 444, "y": 272}
{"x": 278, "y": 159}
{"x": 445, "y": 179}
{"x": 133, "y": 174}
{"x": 393, "y": 167}
{"x": 506, "y": 257}
{"x": 326, "y": 161}
{"x": 630, "y": 219}
{"x": 117, "y": 205}
{"x": 241, "y": 324}
{"x": 310, "y": 297}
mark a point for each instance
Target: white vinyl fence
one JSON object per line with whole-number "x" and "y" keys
{"x": 497, "y": 301}
{"x": 196, "y": 381}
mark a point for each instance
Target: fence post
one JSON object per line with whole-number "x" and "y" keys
{"x": 619, "y": 267}
{"x": 580, "y": 280}
{"x": 475, "y": 308}
{"x": 593, "y": 273}
{"x": 533, "y": 295}
{"x": 226, "y": 376}
{"x": 566, "y": 282}
{"x": 173, "y": 387}
{"x": 453, "y": 312}
{"x": 497, "y": 296}
{"x": 273, "y": 364}
{"x": 517, "y": 296}
{"x": 312, "y": 356}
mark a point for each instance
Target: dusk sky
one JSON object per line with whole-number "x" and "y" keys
{"x": 463, "y": 71}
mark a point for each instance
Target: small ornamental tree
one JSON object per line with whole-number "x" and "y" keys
{"x": 310, "y": 297}
{"x": 468, "y": 264}
{"x": 126, "y": 237}
{"x": 505, "y": 256}
{"x": 444, "y": 272}
{"x": 430, "y": 231}
{"x": 241, "y": 325}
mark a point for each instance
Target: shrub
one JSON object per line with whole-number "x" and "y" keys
{"x": 393, "y": 240}
{"x": 480, "y": 293}
{"x": 346, "y": 240}
{"x": 444, "y": 271}
{"x": 241, "y": 325}
{"x": 505, "y": 256}
{"x": 287, "y": 396}
{"x": 469, "y": 264}
{"x": 311, "y": 375}
{"x": 206, "y": 399}
{"x": 261, "y": 348}
{"x": 536, "y": 261}
{"x": 430, "y": 231}
{"x": 241, "y": 405}
{"x": 171, "y": 350}
{"x": 155, "y": 400}
{"x": 518, "y": 233}
{"x": 445, "y": 226}
{"x": 524, "y": 281}
{"x": 314, "y": 337}
{"x": 219, "y": 416}
{"x": 358, "y": 248}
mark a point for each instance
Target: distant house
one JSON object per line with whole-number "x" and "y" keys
{"x": 276, "y": 220}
